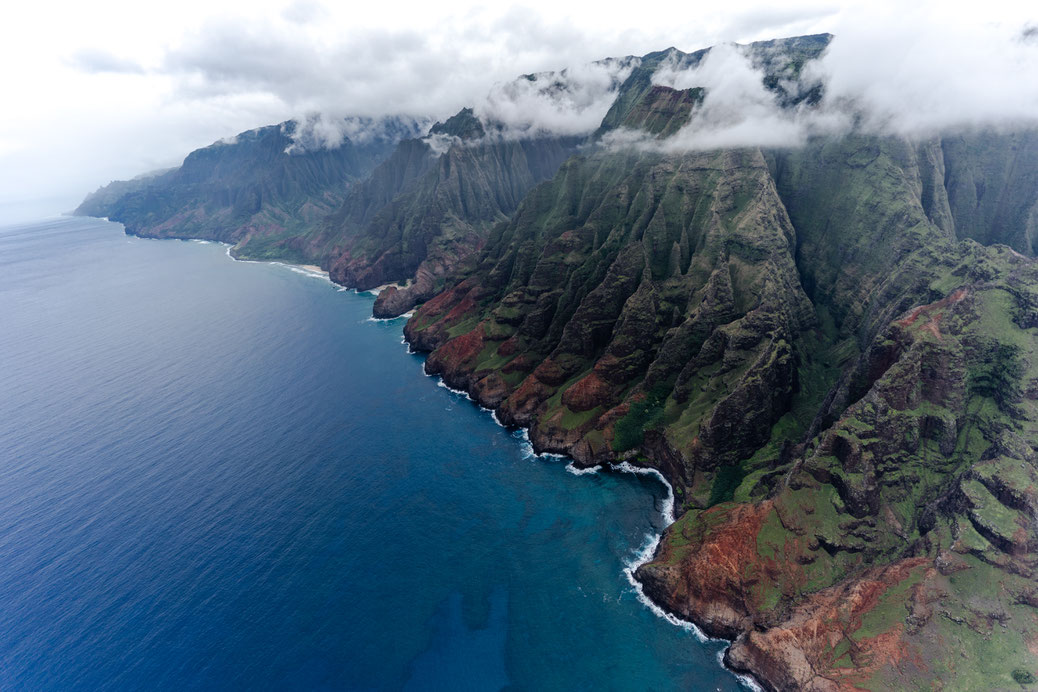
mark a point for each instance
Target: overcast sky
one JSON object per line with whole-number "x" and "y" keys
{"x": 102, "y": 90}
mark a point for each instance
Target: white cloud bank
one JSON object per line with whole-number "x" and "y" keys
{"x": 570, "y": 102}
{"x": 913, "y": 73}
{"x": 103, "y": 90}
{"x": 905, "y": 73}
{"x": 329, "y": 130}
{"x": 737, "y": 109}
{"x": 899, "y": 73}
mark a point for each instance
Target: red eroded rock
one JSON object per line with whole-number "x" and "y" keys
{"x": 799, "y": 653}
{"x": 711, "y": 582}
{"x": 588, "y": 392}
{"x": 508, "y": 347}
{"x": 551, "y": 373}
{"x": 461, "y": 348}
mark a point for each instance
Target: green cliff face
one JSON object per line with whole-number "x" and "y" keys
{"x": 101, "y": 202}
{"x": 439, "y": 217}
{"x": 385, "y": 209}
{"x": 250, "y": 192}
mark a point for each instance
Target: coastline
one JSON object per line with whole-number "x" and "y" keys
{"x": 748, "y": 678}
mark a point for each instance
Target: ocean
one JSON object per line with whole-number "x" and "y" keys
{"x": 225, "y": 475}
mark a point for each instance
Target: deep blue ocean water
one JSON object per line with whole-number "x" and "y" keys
{"x": 222, "y": 475}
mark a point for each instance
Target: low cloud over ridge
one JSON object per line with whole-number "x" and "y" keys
{"x": 117, "y": 88}
{"x": 570, "y": 102}
{"x": 880, "y": 77}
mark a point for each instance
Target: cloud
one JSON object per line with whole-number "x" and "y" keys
{"x": 570, "y": 102}
{"x": 379, "y": 72}
{"x": 738, "y": 110}
{"x": 97, "y": 61}
{"x": 775, "y": 22}
{"x": 915, "y": 74}
{"x": 441, "y": 142}
{"x": 116, "y": 88}
{"x": 304, "y": 12}
{"x": 915, "y": 78}
{"x": 376, "y": 71}
{"x": 325, "y": 131}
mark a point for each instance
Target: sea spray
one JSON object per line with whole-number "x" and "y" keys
{"x": 668, "y": 502}
{"x": 523, "y": 435}
{"x": 570, "y": 468}
{"x": 452, "y": 390}
{"x": 648, "y": 551}
{"x": 295, "y": 268}
{"x": 644, "y": 555}
{"x": 306, "y": 272}
{"x": 745, "y": 680}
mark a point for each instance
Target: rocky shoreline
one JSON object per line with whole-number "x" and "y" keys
{"x": 543, "y": 442}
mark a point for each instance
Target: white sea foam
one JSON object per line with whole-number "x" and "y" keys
{"x": 308, "y": 272}
{"x": 523, "y": 435}
{"x": 668, "y": 501}
{"x": 372, "y": 318}
{"x": 648, "y": 550}
{"x": 646, "y": 553}
{"x": 746, "y": 681}
{"x": 460, "y": 392}
{"x": 582, "y": 472}
{"x": 410, "y": 351}
{"x": 298, "y": 269}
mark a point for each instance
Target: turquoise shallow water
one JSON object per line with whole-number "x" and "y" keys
{"x": 222, "y": 475}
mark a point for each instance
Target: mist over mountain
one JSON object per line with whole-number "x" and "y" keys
{"x": 795, "y": 276}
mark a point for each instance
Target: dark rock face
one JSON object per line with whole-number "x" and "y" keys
{"x": 439, "y": 218}
{"x": 101, "y": 202}
{"x": 253, "y": 192}
{"x": 624, "y": 290}
{"x": 662, "y": 111}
